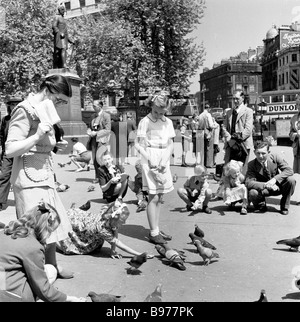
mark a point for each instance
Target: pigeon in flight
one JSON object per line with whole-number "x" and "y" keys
{"x": 207, "y": 254}
{"x": 156, "y": 295}
{"x": 103, "y": 297}
{"x": 294, "y": 243}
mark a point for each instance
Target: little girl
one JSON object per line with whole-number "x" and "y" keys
{"x": 154, "y": 143}
{"x": 91, "y": 230}
{"x": 234, "y": 189}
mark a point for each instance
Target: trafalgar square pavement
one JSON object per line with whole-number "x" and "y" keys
{"x": 250, "y": 259}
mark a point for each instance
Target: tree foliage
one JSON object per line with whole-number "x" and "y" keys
{"x": 26, "y": 44}
{"x": 163, "y": 28}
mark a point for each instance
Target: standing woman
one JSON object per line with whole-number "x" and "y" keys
{"x": 30, "y": 142}
{"x": 154, "y": 143}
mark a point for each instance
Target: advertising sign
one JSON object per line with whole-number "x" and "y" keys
{"x": 281, "y": 108}
{"x": 289, "y": 39}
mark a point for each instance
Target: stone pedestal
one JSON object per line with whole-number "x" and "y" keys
{"x": 71, "y": 116}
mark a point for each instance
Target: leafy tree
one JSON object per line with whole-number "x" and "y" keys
{"x": 163, "y": 28}
{"x": 26, "y": 44}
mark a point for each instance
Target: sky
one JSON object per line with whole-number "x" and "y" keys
{"x": 232, "y": 26}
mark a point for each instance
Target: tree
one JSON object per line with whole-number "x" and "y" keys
{"x": 26, "y": 44}
{"x": 163, "y": 29}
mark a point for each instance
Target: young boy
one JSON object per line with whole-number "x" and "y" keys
{"x": 195, "y": 192}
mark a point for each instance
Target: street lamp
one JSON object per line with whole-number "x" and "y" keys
{"x": 219, "y": 98}
{"x": 204, "y": 89}
{"x": 262, "y": 109}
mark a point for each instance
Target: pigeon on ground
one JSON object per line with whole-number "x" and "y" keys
{"x": 62, "y": 188}
{"x": 61, "y": 164}
{"x": 2, "y": 225}
{"x": 203, "y": 241}
{"x": 155, "y": 296}
{"x": 137, "y": 261}
{"x": 91, "y": 188}
{"x": 294, "y": 243}
{"x": 173, "y": 257}
{"x": 86, "y": 206}
{"x": 103, "y": 297}
{"x": 263, "y": 297}
{"x": 207, "y": 254}
{"x": 69, "y": 163}
{"x": 198, "y": 232}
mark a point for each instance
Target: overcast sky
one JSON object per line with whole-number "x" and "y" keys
{"x": 232, "y": 26}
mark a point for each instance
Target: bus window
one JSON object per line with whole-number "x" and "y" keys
{"x": 277, "y": 99}
{"x": 289, "y": 97}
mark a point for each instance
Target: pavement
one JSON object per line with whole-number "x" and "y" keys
{"x": 250, "y": 259}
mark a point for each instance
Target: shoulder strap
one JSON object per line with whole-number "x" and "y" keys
{"x": 28, "y": 108}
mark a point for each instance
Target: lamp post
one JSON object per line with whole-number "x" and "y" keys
{"x": 203, "y": 91}
{"x": 262, "y": 108}
{"x": 219, "y": 99}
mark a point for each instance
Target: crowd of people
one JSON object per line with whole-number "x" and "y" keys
{"x": 43, "y": 225}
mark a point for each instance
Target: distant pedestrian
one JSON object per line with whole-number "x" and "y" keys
{"x": 99, "y": 133}
{"x": 237, "y": 131}
{"x": 295, "y": 137}
{"x": 80, "y": 156}
{"x": 155, "y": 144}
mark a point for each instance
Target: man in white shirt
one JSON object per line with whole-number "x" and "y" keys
{"x": 80, "y": 155}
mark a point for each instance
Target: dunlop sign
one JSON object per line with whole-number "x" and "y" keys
{"x": 281, "y": 108}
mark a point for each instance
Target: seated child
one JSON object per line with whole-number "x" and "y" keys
{"x": 195, "y": 192}
{"x": 137, "y": 187}
{"x": 112, "y": 179}
{"x": 232, "y": 186}
{"x": 91, "y": 230}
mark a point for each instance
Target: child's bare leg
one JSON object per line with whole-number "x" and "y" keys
{"x": 208, "y": 195}
{"x": 152, "y": 214}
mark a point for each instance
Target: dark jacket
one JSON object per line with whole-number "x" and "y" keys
{"x": 277, "y": 166}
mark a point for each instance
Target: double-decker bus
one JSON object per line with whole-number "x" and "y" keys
{"x": 275, "y": 111}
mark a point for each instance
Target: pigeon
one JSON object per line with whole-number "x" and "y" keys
{"x": 2, "y": 225}
{"x": 86, "y": 206}
{"x": 207, "y": 254}
{"x": 156, "y": 295}
{"x": 294, "y": 243}
{"x": 61, "y": 164}
{"x": 62, "y": 188}
{"x": 69, "y": 163}
{"x": 198, "y": 232}
{"x": 173, "y": 257}
{"x": 137, "y": 261}
{"x": 203, "y": 241}
{"x": 91, "y": 188}
{"x": 103, "y": 297}
{"x": 263, "y": 297}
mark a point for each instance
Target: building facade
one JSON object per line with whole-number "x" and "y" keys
{"x": 242, "y": 73}
{"x": 76, "y": 8}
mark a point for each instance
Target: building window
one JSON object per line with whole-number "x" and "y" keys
{"x": 82, "y": 3}
{"x": 238, "y": 87}
{"x": 282, "y": 79}
{"x": 287, "y": 77}
{"x": 287, "y": 59}
{"x": 294, "y": 57}
{"x": 251, "y": 88}
{"x": 97, "y": 1}
{"x": 68, "y": 5}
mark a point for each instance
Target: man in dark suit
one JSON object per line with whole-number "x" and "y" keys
{"x": 269, "y": 175}
{"x": 99, "y": 133}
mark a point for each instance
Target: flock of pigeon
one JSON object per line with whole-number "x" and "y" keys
{"x": 176, "y": 258}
